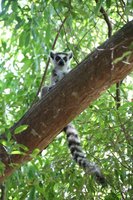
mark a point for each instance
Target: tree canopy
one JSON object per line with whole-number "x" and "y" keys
{"x": 29, "y": 30}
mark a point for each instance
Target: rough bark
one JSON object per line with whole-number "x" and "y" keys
{"x": 107, "y": 65}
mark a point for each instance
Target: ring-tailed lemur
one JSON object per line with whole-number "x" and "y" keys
{"x": 61, "y": 62}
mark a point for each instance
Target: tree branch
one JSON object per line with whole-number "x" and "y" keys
{"x": 72, "y": 95}
{"x": 106, "y": 18}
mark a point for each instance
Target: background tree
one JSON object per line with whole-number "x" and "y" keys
{"x": 29, "y": 29}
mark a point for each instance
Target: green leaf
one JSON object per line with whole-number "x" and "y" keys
{"x": 35, "y": 153}
{"x": 2, "y": 168}
{"x": 112, "y": 196}
{"x": 20, "y": 129}
{"x": 98, "y": 6}
{"x": 108, "y": 3}
{"x": 17, "y": 152}
{"x": 32, "y": 194}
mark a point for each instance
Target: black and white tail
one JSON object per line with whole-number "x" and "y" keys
{"x": 79, "y": 156}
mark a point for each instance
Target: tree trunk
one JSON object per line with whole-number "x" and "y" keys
{"x": 107, "y": 65}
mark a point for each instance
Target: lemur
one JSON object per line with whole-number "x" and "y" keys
{"x": 61, "y": 62}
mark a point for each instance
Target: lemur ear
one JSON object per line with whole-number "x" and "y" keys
{"x": 70, "y": 55}
{"x": 52, "y": 54}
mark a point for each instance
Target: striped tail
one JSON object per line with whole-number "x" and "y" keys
{"x": 79, "y": 156}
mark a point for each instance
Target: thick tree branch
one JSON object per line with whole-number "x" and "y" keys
{"x": 111, "y": 62}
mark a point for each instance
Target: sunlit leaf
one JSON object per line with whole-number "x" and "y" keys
{"x": 20, "y": 129}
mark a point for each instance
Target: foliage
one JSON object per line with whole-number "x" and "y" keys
{"x": 29, "y": 29}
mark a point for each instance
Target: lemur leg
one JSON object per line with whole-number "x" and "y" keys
{"x": 44, "y": 91}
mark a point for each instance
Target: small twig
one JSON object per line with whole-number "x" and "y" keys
{"x": 122, "y": 5}
{"x": 123, "y": 129}
{"x": 118, "y": 98}
{"x": 106, "y": 18}
{"x": 111, "y": 95}
{"x": 121, "y": 15}
{"x": 47, "y": 64}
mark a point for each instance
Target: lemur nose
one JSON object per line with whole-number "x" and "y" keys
{"x": 61, "y": 63}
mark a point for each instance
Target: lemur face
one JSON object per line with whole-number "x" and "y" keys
{"x": 61, "y": 59}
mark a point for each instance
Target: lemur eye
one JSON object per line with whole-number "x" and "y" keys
{"x": 65, "y": 58}
{"x": 57, "y": 58}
